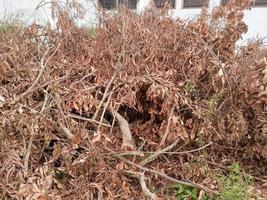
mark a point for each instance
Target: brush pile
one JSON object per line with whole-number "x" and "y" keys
{"x": 84, "y": 115}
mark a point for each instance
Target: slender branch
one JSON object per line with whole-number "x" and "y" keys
{"x": 27, "y": 154}
{"x": 217, "y": 58}
{"x": 42, "y": 69}
{"x": 141, "y": 178}
{"x": 87, "y": 119}
{"x": 105, "y": 94}
{"x": 158, "y": 153}
{"x": 167, "y": 128}
{"x": 187, "y": 183}
{"x": 191, "y": 151}
{"x": 142, "y": 153}
{"x": 103, "y": 113}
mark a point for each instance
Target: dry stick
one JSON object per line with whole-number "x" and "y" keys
{"x": 73, "y": 138}
{"x": 127, "y": 139}
{"x": 158, "y": 153}
{"x": 105, "y": 95}
{"x": 27, "y": 155}
{"x": 55, "y": 80}
{"x": 168, "y": 127}
{"x": 141, "y": 153}
{"x": 43, "y": 3}
{"x": 161, "y": 151}
{"x": 28, "y": 151}
{"x": 190, "y": 151}
{"x": 113, "y": 122}
{"x": 141, "y": 178}
{"x": 104, "y": 111}
{"x": 45, "y": 101}
{"x": 87, "y": 119}
{"x": 139, "y": 150}
{"x": 102, "y": 116}
{"x": 84, "y": 77}
{"x": 42, "y": 66}
{"x": 187, "y": 183}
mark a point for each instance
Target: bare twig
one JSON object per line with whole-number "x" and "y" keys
{"x": 45, "y": 101}
{"x": 212, "y": 52}
{"x": 142, "y": 153}
{"x": 55, "y": 80}
{"x": 113, "y": 122}
{"x": 83, "y": 78}
{"x": 27, "y": 154}
{"x": 105, "y": 94}
{"x": 103, "y": 113}
{"x": 42, "y": 68}
{"x": 43, "y": 3}
{"x": 191, "y": 151}
{"x": 139, "y": 151}
{"x": 87, "y": 119}
{"x": 187, "y": 183}
{"x": 130, "y": 153}
{"x": 141, "y": 178}
{"x": 158, "y": 153}
{"x": 67, "y": 132}
{"x": 168, "y": 127}
{"x": 217, "y": 58}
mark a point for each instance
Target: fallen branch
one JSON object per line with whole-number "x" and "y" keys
{"x": 141, "y": 178}
{"x": 127, "y": 139}
{"x": 187, "y": 183}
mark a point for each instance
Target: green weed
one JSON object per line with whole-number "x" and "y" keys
{"x": 188, "y": 193}
{"x": 234, "y": 186}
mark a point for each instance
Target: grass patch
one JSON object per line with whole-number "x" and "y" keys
{"x": 234, "y": 186}
{"x": 5, "y": 27}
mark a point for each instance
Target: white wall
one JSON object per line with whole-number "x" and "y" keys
{"x": 256, "y": 18}
{"x": 24, "y": 9}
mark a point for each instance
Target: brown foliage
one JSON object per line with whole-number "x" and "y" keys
{"x": 143, "y": 66}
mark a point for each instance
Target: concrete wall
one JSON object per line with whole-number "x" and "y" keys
{"x": 256, "y": 18}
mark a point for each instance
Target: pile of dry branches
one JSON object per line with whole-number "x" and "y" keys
{"x": 86, "y": 116}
